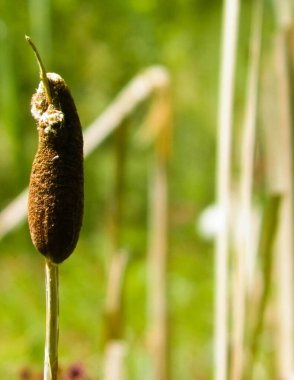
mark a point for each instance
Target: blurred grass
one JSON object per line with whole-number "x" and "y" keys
{"x": 82, "y": 295}
{"x": 97, "y": 48}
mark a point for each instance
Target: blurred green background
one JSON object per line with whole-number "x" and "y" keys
{"x": 97, "y": 47}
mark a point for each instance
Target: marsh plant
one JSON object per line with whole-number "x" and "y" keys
{"x": 55, "y": 205}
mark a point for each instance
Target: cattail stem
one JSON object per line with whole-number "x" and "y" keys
{"x": 52, "y": 312}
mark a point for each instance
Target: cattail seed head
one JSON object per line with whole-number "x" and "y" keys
{"x": 55, "y": 206}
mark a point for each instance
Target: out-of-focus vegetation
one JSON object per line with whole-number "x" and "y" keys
{"x": 97, "y": 47}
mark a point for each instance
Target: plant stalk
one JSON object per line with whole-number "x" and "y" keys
{"x": 223, "y": 185}
{"x": 266, "y": 248}
{"x": 157, "y": 261}
{"x": 246, "y": 245}
{"x": 52, "y": 316}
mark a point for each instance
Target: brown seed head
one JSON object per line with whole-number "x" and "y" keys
{"x": 55, "y": 206}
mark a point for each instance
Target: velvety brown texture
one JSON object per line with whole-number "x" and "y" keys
{"x": 55, "y": 206}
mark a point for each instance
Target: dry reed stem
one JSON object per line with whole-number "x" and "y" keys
{"x": 158, "y": 127}
{"x": 139, "y": 89}
{"x": 225, "y": 112}
{"x": 278, "y": 121}
{"x": 114, "y": 360}
{"x": 284, "y": 13}
{"x": 245, "y": 246}
{"x": 116, "y": 208}
{"x": 115, "y": 346}
{"x": 285, "y": 282}
{"x": 116, "y": 276}
{"x": 157, "y": 265}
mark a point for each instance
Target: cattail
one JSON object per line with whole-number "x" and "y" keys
{"x": 55, "y": 206}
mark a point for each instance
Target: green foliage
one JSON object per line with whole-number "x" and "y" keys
{"x": 97, "y": 47}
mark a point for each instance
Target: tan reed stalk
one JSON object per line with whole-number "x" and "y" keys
{"x": 223, "y": 183}
{"x": 115, "y": 344}
{"x": 117, "y": 199}
{"x": 157, "y": 262}
{"x": 285, "y": 243}
{"x": 245, "y": 245}
{"x": 159, "y": 124}
{"x": 278, "y": 132}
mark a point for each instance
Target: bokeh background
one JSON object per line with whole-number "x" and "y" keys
{"x": 97, "y": 47}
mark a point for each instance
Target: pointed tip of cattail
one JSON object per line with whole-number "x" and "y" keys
{"x": 42, "y": 69}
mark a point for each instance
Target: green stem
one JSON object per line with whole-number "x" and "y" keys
{"x": 266, "y": 245}
{"x": 43, "y": 75}
{"x": 52, "y": 330}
